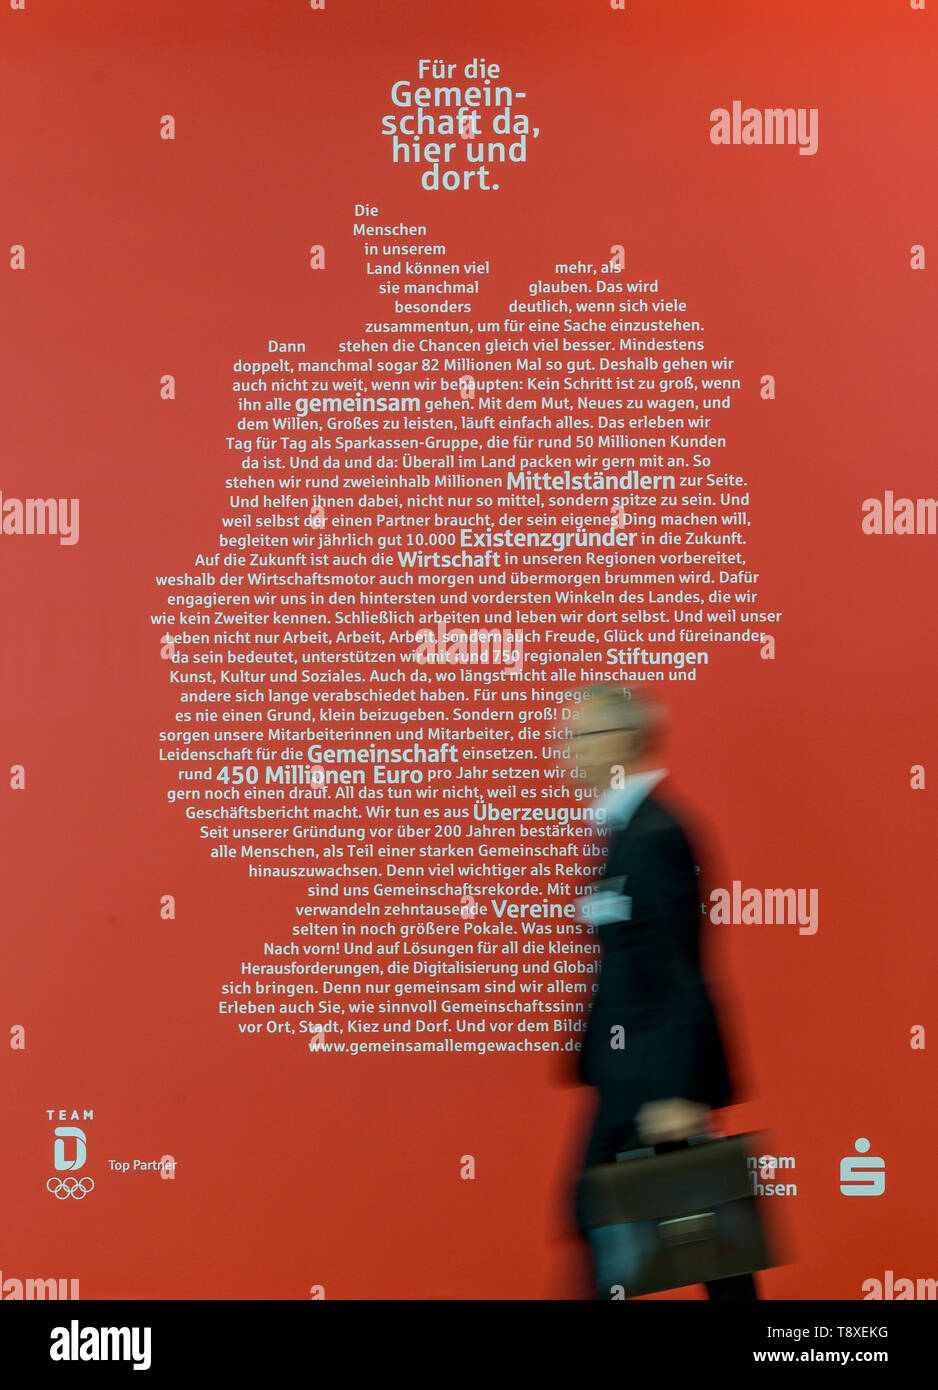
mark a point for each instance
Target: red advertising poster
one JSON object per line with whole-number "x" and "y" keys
{"x": 467, "y": 532}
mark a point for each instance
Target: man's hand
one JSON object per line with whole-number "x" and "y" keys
{"x": 664, "y": 1121}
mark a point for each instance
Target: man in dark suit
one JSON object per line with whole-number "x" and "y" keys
{"x": 652, "y": 1046}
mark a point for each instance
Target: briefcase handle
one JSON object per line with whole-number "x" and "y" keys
{"x": 649, "y": 1152}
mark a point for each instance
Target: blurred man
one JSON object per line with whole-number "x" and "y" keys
{"x": 652, "y": 1047}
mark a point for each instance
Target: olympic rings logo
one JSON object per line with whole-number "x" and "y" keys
{"x": 70, "y": 1187}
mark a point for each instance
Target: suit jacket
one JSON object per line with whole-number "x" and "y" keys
{"x": 651, "y": 988}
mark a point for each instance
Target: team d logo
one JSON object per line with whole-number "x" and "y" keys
{"x": 69, "y": 1152}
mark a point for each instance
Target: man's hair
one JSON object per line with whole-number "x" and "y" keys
{"x": 629, "y": 709}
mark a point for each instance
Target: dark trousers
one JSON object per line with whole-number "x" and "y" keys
{"x": 611, "y": 1136}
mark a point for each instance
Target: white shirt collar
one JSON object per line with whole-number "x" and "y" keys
{"x": 617, "y": 806}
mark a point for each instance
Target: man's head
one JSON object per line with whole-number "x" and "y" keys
{"x": 609, "y": 727}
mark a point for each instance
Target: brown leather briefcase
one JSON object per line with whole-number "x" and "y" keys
{"x": 664, "y": 1220}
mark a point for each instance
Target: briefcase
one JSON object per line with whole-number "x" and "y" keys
{"x": 664, "y": 1220}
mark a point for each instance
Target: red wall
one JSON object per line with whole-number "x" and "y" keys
{"x": 145, "y": 258}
